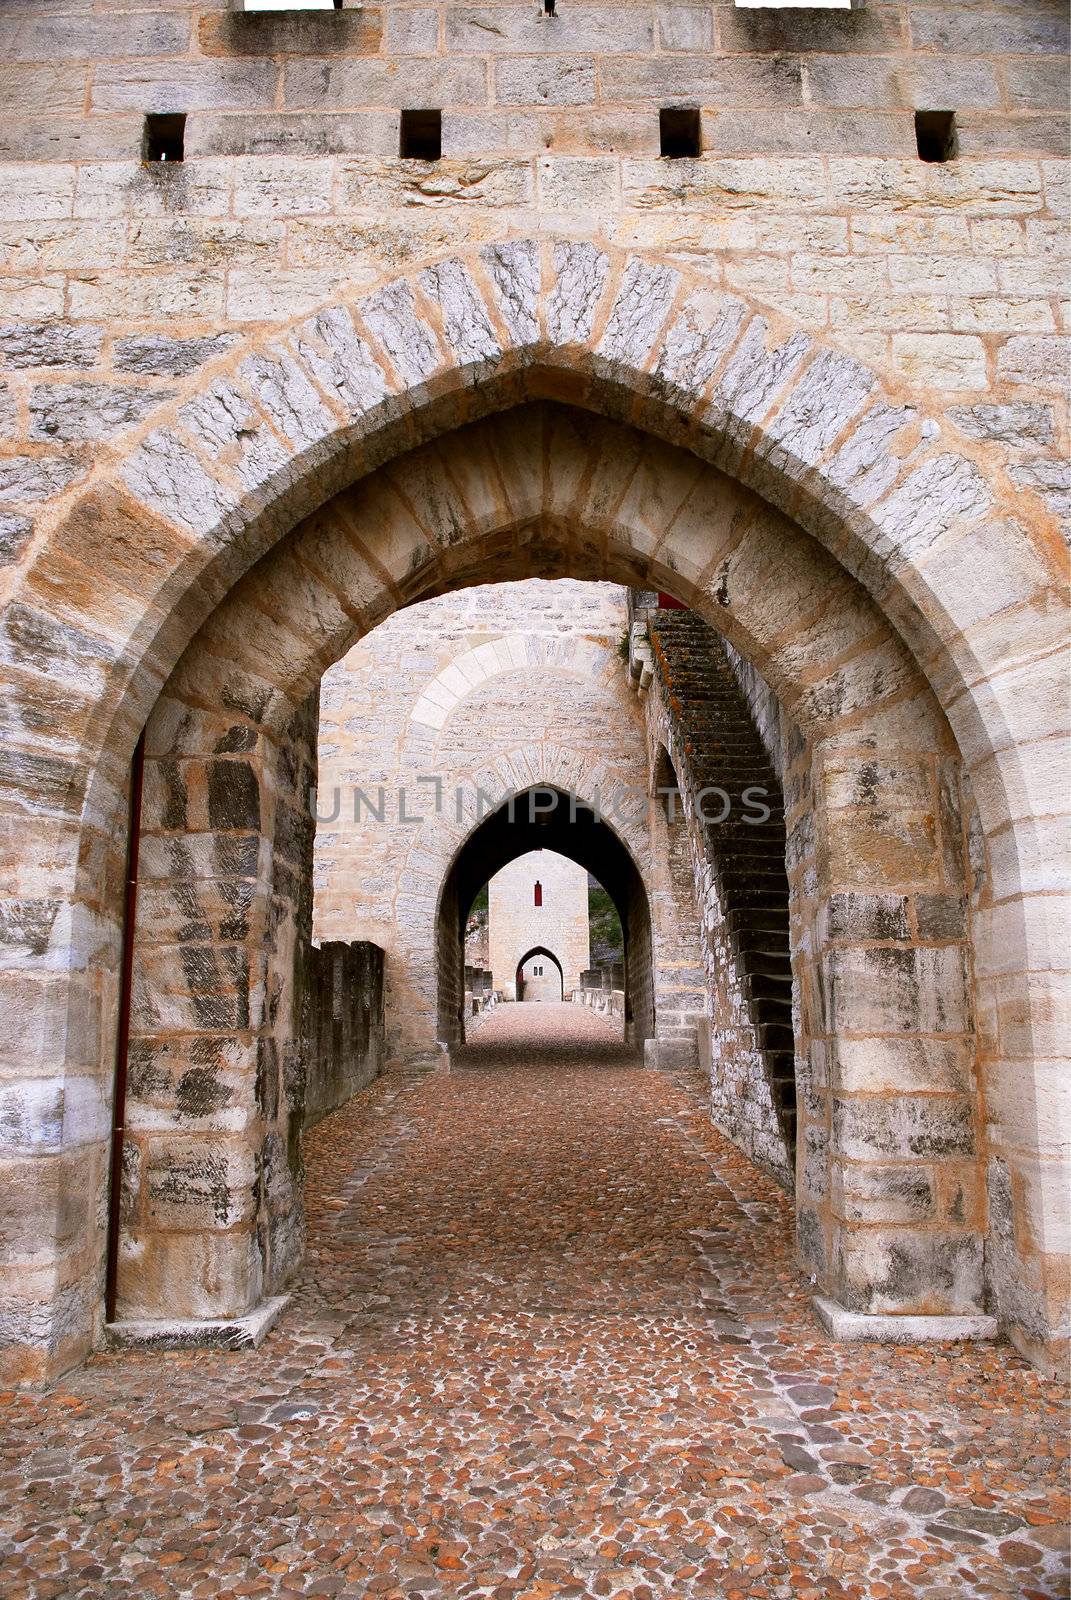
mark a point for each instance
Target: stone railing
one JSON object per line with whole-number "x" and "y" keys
{"x": 344, "y": 1024}
{"x": 603, "y": 989}
{"x": 480, "y": 992}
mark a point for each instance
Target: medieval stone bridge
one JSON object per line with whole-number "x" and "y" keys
{"x": 431, "y": 435}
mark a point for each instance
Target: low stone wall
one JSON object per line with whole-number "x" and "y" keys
{"x": 603, "y": 989}
{"x": 345, "y": 1029}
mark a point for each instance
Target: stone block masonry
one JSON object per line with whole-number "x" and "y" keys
{"x": 555, "y": 920}
{"x": 844, "y": 374}
{"x": 343, "y": 1023}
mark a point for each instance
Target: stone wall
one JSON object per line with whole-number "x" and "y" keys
{"x": 197, "y": 355}
{"x": 559, "y": 924}
{"x": 344, "y": 1024}
{"x": 701, "y": 736}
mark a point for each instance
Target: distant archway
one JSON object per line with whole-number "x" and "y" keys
{"x": 545, "y": 817}
{"x": 529, "y": 955}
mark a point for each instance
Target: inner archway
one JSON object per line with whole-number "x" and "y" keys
{"x": 549, "y": 819}
{"x": 531, "y": 980}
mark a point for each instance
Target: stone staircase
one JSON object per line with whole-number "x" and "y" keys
{"x": 718, "y": 746}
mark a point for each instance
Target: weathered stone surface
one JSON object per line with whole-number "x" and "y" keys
{"x": 514, "y": 272}
{"x": 160, "y": 355}
{"x": 32, "y": 478}
{"x": 50, "y": 344}
{"x": 580, "y": 273}
{"x": 77, "y": 411}
{"x": 466, "y": 325}
{"x": 168, "y": 476}
{"x": 640, "y": 307}
{"x": 341, "y": 361}
{"x": 391, "y": 316}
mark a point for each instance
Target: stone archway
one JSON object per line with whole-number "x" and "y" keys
{"x": 529, "y": 955}
{"x": 569, "y": 821}
{"x": 117, "y": 583}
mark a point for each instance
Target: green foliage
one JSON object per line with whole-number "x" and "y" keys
{"x": 607, "y": 939}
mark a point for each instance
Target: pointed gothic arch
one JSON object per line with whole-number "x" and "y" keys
{"x": 126, "y": 568}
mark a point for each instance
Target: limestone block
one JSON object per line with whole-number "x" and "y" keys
{"x": 288, "y": 398}
{"x": 1020, "y": 425}
{"x": 200, "y": 1275}
{"x": 896, "y": 990}
{"x": 1036, "y": 359}
{"x": 31, "y": 192}
{"x": 514, "y": 271}
{"x": 279, "y": 186}
{"x": 1024, "y": 32}
{"x": 52, "y": 89}
{"x": 685, "y": 28}
{"x": 253, "y": 296}
{"x": 466, "y": 325}
{"x": 148, "y": 294}
{"x": 15, "y": 533}
{"x": 198, "y": 85}
{"x": 78, "y": 411}
{"x": 941, "y": 360}
{"x": 341, "y": 361}
{"x": 896, "y": 1066}
{"x": 37, "y": 296}
{"x": 50, "y": 344}
{"x": 698, "y": 339}
{"x": 161, "y": 355}
{"x": 892, "y": 1193}
{"x": 96, "y": 38}
{"x": 580, "y": 273}
{"x": 831, "y": 391}
{"x": 408, "y": 83}
{"x": 391, "y": 316}
{"x": 599, "y": 30}
{"x": 359, "y": 31}
{"x": 578, "y": 184}
{"x": 713, "y": 81}
{"x": 412, "y": 31}
{"x": 926, "y": 504}
{"x": 33, "y": 478}
{"x": 167, "y": 475}
{"x": 901, "y": 1270}
{"x": 642, "y": 302}
{"x": 545, "y": 80}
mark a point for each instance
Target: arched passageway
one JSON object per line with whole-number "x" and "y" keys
{"x": 853, "y": 605}
{"x": 545, "y": 817}
{"x": 532, "y": 979}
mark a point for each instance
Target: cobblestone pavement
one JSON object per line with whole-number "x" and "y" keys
{"x": 550, "y": 1343}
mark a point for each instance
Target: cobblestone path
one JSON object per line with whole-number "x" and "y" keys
{"x": 550, "y": 1342}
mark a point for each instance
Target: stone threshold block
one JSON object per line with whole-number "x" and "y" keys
{"x": 228, "y": 1333}
{"x": 842, "y": 1324}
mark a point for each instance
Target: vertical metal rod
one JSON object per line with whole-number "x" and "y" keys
{"x": 122, "y": 1040}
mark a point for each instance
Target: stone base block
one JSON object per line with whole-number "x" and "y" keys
{"x": 228, "y": 1333}
{"x": 842, "y": 1324}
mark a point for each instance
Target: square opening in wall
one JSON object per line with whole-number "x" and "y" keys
{"x": 421, "y": 135}
{"x": 163, "y": 136}
{"x": 935, "y": 135}
{"x": 680, "y": 131}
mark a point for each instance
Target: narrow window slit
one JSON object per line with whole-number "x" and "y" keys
{"x": 164, "y": 136}
{"x": 935, "y": 135}
{"x": 421, "y": 137}
{"x": 680, "y": 131}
